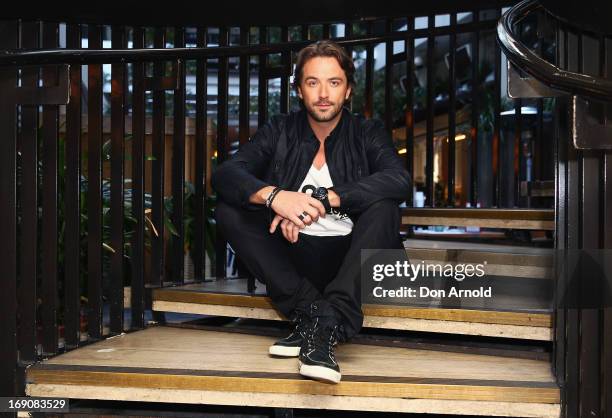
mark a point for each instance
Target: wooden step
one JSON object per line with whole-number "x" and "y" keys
{"x": 509, "y": 318}
{"x": 532, "y": 219}
{"x": 501, "y": 260}
{"x": 179, "y": 365}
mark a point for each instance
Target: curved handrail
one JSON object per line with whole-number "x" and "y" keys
{"x": 544, "y": 71}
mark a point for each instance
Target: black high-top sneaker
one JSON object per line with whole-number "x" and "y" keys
{"x": 317, "y": 357}
{"x": 291, "y": 344}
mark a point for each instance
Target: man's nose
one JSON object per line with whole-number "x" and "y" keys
{"x": 323, "y": 91}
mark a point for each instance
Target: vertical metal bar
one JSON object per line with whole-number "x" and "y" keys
{"x": 591, "y": 228}
{"x": 560, "y": 138}
{"x": 326, "y": 32}
{"x": 157, "y": 167}
{"x": 244, "y": 117}
{"x": 72, "y": 198}
{"x": 409, "y": 47}
{"x": 118, "y": 78}
{"x": 243, "y": 126}
{"x": 606, "y": 349}
{"x": 429, "y": 140}
{"x": 178, "y": 164}
{"x": 8, "y": 219}
{"x": 201, "y": 159}
{"x": 561, "y": 213}
{"x": 518, "y": 151}
{"x": 389, "y": 78}
{"x": 590, "y": 340}
{"x": 496, "y": 154}
{"x": 50, "y": 128}
{"x": 222, "y": 135}
{"x": 29, "y": 206}
{"x": 348, "y": 32}
{"x": 475, "y": 115}
{"x": 286, "y": 63}
{"x": 539, "y": 148}
{"x": 572, "y": 366}
{"x": 138, "y": 176}
{"x": 369, "y": 78}
{"x": 452, "y": 104}
{"x": 262, "y": 96}
{"x": 94, "y": 192}
{"x": 305, "y": 33}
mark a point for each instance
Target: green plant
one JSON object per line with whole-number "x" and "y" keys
{"x": 189, "y": 209}
{"x": 130, "y": 221}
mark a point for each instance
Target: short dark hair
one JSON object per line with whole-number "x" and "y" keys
{"x": 324, "y": 48}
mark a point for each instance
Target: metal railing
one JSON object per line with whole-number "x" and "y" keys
{"x": 523, "y": 57}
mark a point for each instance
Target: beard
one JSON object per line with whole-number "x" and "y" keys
{"x": 324, "y": 116}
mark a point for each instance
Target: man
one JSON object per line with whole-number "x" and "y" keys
{"x": 301, "y": 199}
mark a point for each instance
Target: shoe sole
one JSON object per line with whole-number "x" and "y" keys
{"x": 320, "y": 373}
{"x": 281, "y": 351}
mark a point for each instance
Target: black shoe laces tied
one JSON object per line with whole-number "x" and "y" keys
{"x": 323, "y": 337}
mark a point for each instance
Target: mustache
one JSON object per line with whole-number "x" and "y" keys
{"x": 323, "y": 102}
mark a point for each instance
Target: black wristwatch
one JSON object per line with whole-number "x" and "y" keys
{"x": 321, "y": 195}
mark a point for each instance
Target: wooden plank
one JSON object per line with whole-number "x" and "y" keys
{"x": 525, "y": 324}
{"x": 273, "y": 400}
{"x": 498, "y": 264}
{"x": 212, "y": 360}
{"x": 388, "y": 311}
{"x": 198, "y": 294}
{"x": 534, "y": 219}
{"x": 394, "y": 323}
{"x": 480, "y": 256}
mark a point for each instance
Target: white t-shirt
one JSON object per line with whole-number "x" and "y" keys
{"x": 335, "y": 223}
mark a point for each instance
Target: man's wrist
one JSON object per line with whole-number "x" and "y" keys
{"x": 334, "y": 199}
{"x": 260, "y": 196}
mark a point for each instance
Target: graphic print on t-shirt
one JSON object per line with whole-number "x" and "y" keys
{"x": 335, "y": 223}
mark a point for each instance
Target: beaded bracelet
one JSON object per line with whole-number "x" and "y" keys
{"x": 272, "y": 196}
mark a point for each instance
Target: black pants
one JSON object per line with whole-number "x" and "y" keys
{"x": 313, "y": 268}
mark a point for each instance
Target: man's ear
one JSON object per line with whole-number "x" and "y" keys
{"x": 348, "y": 93}
{"x": 299, "y": 92}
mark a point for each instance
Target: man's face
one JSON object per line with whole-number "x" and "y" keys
{"x": 324, "y": 88}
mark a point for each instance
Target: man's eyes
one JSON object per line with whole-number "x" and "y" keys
{"x": 333, "y": 83}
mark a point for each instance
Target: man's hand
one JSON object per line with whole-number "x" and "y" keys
{"x": 290, "y": 230}
{"x": 290, "y": 205}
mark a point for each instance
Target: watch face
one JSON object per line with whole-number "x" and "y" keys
{"x": 320, "y": 193}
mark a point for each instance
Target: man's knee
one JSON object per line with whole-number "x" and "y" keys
{"x": 226, "y": 215}
{"x": 385, "y": 209}
{"x": 382, "y": 219}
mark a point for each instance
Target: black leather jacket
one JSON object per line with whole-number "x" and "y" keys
{"x": 363, "y": 163}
